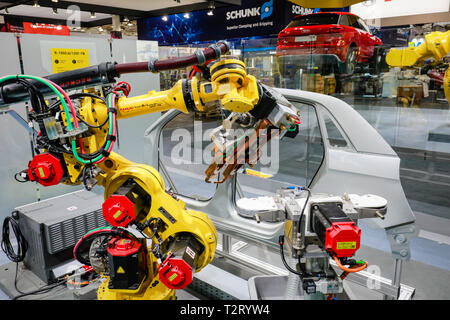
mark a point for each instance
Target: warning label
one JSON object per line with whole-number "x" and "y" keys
{"x": 346, "y": 245}
{"x": 69, "y": 59}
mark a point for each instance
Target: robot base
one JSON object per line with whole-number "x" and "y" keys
{"x": 147, "y": 291}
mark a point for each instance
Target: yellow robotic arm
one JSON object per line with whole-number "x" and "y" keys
{"x": 436, "y": 45}
{"x": 182, "y": 241}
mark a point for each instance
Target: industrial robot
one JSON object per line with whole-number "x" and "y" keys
{"x": 436, "y": 46}
{"x": 74, "y": 137}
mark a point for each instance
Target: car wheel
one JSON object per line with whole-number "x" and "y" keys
{"x": 350, "y": 61}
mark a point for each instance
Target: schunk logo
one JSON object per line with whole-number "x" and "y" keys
{"x": 300, "y": 10}
{"x": 264, "y": 11}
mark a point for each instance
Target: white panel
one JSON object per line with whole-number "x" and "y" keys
{"x": 37, "y": 55}
{"x": 385, "y": 9}
{"x": 15, "y": 150}
{"x": 131, "y": 130}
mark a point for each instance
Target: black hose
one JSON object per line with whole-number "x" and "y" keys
{"x": 22, "y": 244}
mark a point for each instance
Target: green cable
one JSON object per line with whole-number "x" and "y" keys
{"x": 107, "y": 228}
{"x": 237, "y": 143}
{"x": 292, "y": 128}
{"x": 66, "y": 110}
{"x": 74, "y": 146}
{"x": 48, "y": 84}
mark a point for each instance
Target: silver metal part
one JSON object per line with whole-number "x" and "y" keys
{"x": 327, "y": 286}
{"x": 98, "y": 262}
{"x": 400, "y": 239}
{"x": 75, "y": 131}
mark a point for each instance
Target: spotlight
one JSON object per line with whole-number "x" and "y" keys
{"x": 55, "y": 1}
{"x": 211, "y": 8}
{"x": 36, "y": 4}
{"x": 186, "y": 15}
{"x": 93, "y": 14}
{"x": 100, "y": 29}
{"x": 165, "y": 18}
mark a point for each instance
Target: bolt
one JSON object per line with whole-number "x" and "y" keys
{"x": 404, "y": 252}
{"x": 400, "y": 238}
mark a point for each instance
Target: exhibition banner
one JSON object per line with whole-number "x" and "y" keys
{"x": 253, "y": 18}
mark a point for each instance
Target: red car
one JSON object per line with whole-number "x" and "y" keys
{"x": 328, "y": 35}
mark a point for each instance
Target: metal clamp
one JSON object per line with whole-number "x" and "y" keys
{"x": 200, "y": 56}
{"x": 151, "y": 65}
{"x": 400, "y": 238}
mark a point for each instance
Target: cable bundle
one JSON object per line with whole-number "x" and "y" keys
{"x": 22, "y": 245}
{"x": 38, "y": 101}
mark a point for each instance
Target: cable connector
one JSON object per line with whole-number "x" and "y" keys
{"x": 281, "y": 240}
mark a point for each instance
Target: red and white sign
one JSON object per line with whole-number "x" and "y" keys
{"x": 42, "y": 28}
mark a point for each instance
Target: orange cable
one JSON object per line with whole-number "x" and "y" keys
{"x": 357, "y": 269}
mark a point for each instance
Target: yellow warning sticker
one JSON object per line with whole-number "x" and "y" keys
{"x": 346, "y": 245}
{"x": 64, "y": 59}
{"x": 120, "y": 270}
{"x": 258, "y": 174}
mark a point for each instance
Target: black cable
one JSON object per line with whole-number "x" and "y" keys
{"x": 283, "y": 259}
{"x": 303, "y": 274}
{"x": 19, "y": 180}
{"x": 83, "y": 95}
{"x": 22, "y": 245}
{"x": 41, "y": 290}
{"x": 304, "y": 206}
{"x": 36, "y": 98}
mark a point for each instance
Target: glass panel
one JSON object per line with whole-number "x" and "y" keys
{"x": 407, "y": 106}
{"x": 185, "y": 151}
{"x": 334, "y": 135}
{"x": 292, "y": 160}
{"x": 314, "y": 20}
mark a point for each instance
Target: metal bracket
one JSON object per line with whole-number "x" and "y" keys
{"x": 400, "y": 239}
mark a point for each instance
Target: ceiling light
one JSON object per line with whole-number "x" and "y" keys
{"x": 58, "y": 27}
{"x": 186, "y": 15}
{"x": 36, "y": 4}
{"x": 165, "y": 18}
{"x": 93, "y": 14}
{"x": 210, "y": 13}
{"x": 126, "y": 19}
{"x": 55, "y": 0}
{"x": 100, "y": 29}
